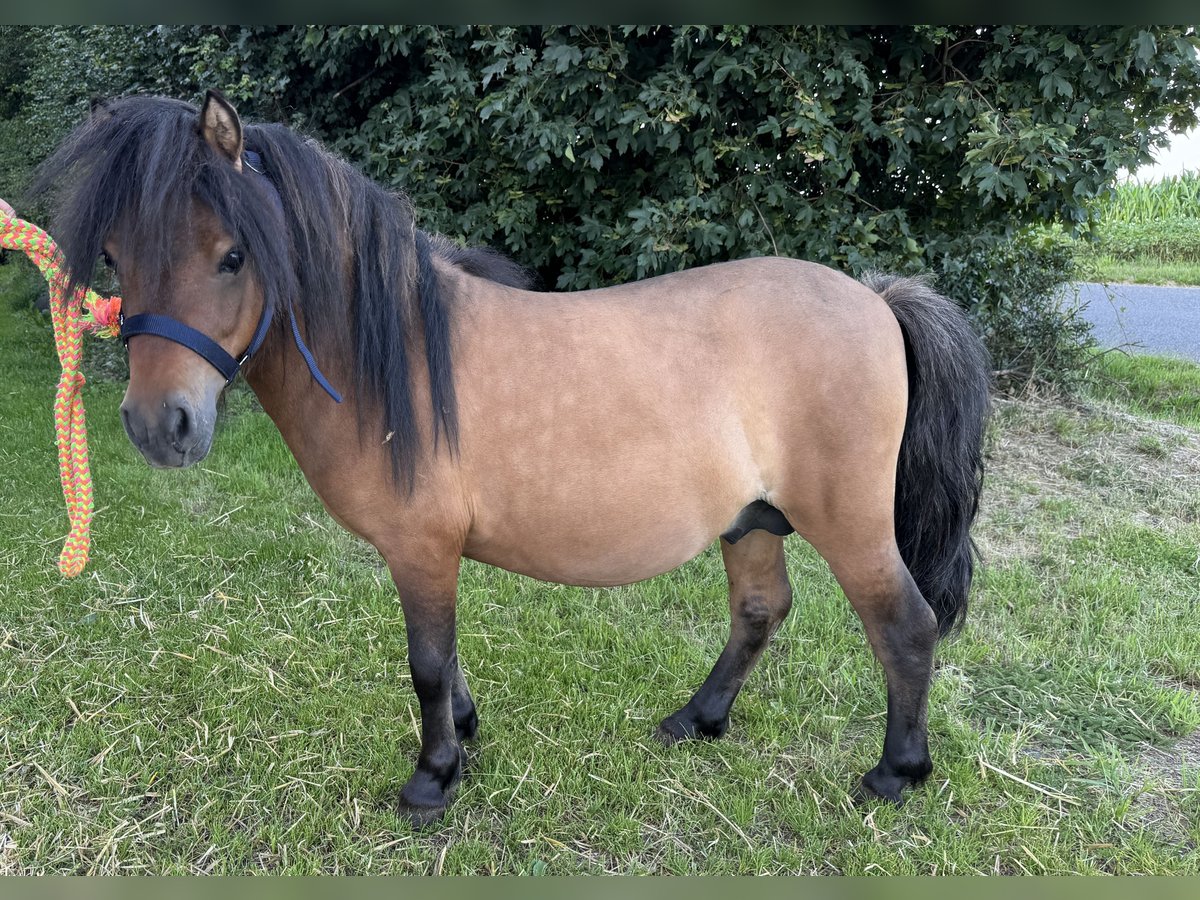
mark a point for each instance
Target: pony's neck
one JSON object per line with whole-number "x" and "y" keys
{"x": 304, "y": 413}
{"x": 329, "y": 438}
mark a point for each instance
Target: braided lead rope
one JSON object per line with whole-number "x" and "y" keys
{"x": 99, "y": 315}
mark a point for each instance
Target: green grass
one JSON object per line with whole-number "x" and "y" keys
{"x": 1108, "y": 270}
{"x": 225, "y": 688}
{"x": 1157, "y": 386}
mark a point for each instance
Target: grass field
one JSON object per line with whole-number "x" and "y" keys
{"x": 225, "y": 688}
{"x": 1108, "y": 270}
{"x": 1147, "y": 234}
{"x": 1157, "y": 386}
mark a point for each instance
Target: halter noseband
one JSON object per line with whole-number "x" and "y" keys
{"x": 201, "y": 344}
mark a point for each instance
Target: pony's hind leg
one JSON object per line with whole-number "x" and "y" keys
{"x": 759, "y": 599}
{"x": 902, "y": 631}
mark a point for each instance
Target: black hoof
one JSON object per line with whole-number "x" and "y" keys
{"x": 884, "y": 783}
{"x": 423, "y": 800}
{"x": 420, "y": 816}
{"x": 669, "y": 733}
{"x": 680, "y": 727}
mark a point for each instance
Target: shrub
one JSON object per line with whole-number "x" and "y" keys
{"x": 1026, "y": 315}
{"x": 1167, "y": 240}
{"x": 21, "y": 285}
{"x": 599, "y": 155}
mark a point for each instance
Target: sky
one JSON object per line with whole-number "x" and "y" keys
{"x": 1183, "y": 153}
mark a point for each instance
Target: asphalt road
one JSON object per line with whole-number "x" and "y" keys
{"x": 1144, "y": 318}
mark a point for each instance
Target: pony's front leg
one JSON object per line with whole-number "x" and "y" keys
{"x": 429, "y": 603}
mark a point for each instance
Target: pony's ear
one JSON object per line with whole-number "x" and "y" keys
{"x": 98, "y": 108}
{"x": 221, "y": 128}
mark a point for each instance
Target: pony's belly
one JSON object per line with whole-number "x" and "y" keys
{"x": 593, "y": 557}
{"x": 607, "y": 508}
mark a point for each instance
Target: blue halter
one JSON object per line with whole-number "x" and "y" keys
{"x": 202, "y": 344}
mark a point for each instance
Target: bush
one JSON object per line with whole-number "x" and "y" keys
{"x": 20, "y": 284}
{"x": 47, "y": 77}
{"x": 599, "y": 155}
{"x": 1033, "y": 330}
{"x": 1165, "y": 240}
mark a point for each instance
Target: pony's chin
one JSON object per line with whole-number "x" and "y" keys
{"x": 170, "y": 457}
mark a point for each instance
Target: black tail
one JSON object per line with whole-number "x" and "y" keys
{"x": 940, "y": 472}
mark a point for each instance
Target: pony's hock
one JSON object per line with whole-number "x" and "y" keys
{"x": 594, "y": 438}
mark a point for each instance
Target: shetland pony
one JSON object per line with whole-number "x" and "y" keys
{"x": 440, "y": 409}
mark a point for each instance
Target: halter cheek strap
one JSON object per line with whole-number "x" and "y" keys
{"x": 201, "y": 344}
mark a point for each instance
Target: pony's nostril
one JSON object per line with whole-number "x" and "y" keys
{"x": 179, "y": 421}
{"x": 135, "y": 425}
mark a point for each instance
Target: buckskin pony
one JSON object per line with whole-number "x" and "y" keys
{"x": 441, "y": 409}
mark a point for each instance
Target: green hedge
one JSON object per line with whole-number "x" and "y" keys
{"x": 1166, "y": 240}
{"x": 599, "y": 155}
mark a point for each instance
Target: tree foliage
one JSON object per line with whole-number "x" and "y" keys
{"x": 598, "y": 154}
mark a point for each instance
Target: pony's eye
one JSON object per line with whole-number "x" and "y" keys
{"x": 108, "y": 260}
{"x": 231, "y": 264}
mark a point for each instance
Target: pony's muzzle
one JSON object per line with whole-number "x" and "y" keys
{"x": 171, "y": 433}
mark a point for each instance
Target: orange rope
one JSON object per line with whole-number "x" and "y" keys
{"x": 100, "y": 315}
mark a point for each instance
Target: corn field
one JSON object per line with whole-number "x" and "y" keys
{"x": 1175, "y": 197}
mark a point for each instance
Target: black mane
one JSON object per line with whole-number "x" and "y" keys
{"x": 143, "y": 158}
